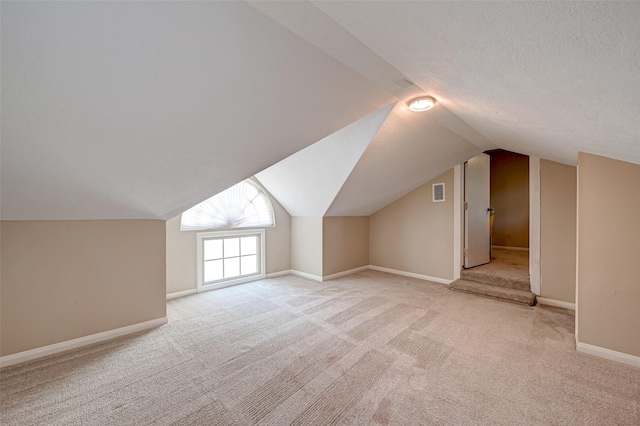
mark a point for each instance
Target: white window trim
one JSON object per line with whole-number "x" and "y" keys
{"x": 222, "y": 234}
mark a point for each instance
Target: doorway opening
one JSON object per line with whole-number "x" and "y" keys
{"x": 497, "y": 226}
{"x": 509, "y": 189}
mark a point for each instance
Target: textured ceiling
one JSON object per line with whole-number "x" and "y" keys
{"x": 408, "y": 150}
{"x": 143, "y": 109}
{"x": 547, "y": 79}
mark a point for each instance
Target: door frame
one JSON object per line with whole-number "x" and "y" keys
{"x": 476, "y": 220}
{"x": 534, "y": 222}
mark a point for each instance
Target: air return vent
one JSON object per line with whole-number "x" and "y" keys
{"x": 438, "y": 192}
{"x": 404, "y": 83}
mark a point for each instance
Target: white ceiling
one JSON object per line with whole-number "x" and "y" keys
{"x": 307, "y": 182}
{"x": 406, "y": 152}
{"x": 143, "y": 109}
{"x": 547, "y": 79}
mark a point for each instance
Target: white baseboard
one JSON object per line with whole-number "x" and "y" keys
{"x": 343, "y": 273}
{"x": 32, "y": 354}
{"x": 177, "y": 294}
{"x": 306, "y": 275}
{"x": 556, "y": 303}
{"x": 411, "y": 274}
{"x": 510, "y": 248}
{"x": 279, "y": 274}
{"x": 608, "y": 354}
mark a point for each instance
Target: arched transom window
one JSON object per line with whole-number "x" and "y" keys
{"x": 244, "y": 205}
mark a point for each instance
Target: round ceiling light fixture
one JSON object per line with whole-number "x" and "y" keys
{"x": 423, "y": 103}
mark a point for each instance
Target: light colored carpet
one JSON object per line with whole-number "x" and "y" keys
{"x": 508, "y": 268}
{"x": 370, "y": 348}
{"x": 504, "y": 293}
{"x": 505, "y": 277}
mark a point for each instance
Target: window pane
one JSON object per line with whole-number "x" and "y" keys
{"x": 231, "y": 247}
{"x": 248, "y": 245}
{"x": 243, "y": 205}
{"x": 212, "y": 249}
{"x": 232, "y": 267}
{"x": 213, "y": 270}
{"x": 249, "y": 264}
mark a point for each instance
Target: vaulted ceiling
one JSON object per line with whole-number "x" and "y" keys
{"x": 306, "y": 183}
{"x": 540, "y": 78}
{"x": 117, "y": 110}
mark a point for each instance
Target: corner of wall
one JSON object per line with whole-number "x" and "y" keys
{"x": 607, "y": 266}
{"x": 415, "y": 235}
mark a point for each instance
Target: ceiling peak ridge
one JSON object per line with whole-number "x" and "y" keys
{"x": 309, "y": 22}
{"x": 307, "y": 182}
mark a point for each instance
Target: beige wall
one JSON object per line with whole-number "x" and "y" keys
{"x": 510, "y": 199}
{"x": 345, "y": 243}
{"x": 414, "y": 234}
{"x": 558, "y": 192}
{"x": 181, "y": 250}
{"x": 63, "y": 280}
{"x": 278, "y": 240}
{"x": 608, "y": 305}
{"x": 558, "y": 204}
{"x": 306, "y": 245}
{"x": 182, "y": 274}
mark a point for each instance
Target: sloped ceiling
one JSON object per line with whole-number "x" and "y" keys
{"x": 547, "y": 79}
{"x": 143, "y": 109}
{"x": 114, "y": 110}
{"x": 407, "y": 152}
{"x": 307, "y": 182}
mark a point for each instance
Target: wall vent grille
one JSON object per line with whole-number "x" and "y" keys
{"x": 404, "y": 83}
{"x": 438, "y": 192}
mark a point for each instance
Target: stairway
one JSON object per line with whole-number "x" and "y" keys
{"x": 506, "y": 277}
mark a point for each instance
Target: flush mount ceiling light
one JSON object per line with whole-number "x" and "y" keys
{"x": 423, "y": 103}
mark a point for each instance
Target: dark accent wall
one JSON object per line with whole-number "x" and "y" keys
{"x": 510, "y": 198}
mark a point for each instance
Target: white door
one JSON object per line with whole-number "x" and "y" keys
{"x": 476, "y": 211}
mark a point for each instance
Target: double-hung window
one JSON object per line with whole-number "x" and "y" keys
{"x": 229, "y": 258}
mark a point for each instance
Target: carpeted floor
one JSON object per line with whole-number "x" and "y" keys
{"x": 370, "y": 348}
{"x": 508, "y": 268}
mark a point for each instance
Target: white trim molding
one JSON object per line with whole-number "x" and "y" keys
{"x": 586, "y": 348}
{"x": 278, "y": 274}
{"x": 344, "y": 273}
{"x": 458, "y": 202}
{"x": 230, "y": 283}
{"x": 534, "y": 224}
{"x": 577, "y": 244}
{"x": 55, "y": 348}
{"x": 177, "y": 294}
{"x": 411, "y": 274}
{"x": 306, "y": 275}
{"x": 510, "y": 248}
{"x": 200, "y": 239}
{"x": 556, "y": 303}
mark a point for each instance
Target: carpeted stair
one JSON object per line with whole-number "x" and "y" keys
{"x": 497, "y": 278}
{"x": 499, "y": 292}
{"x": 494, "y": 280}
